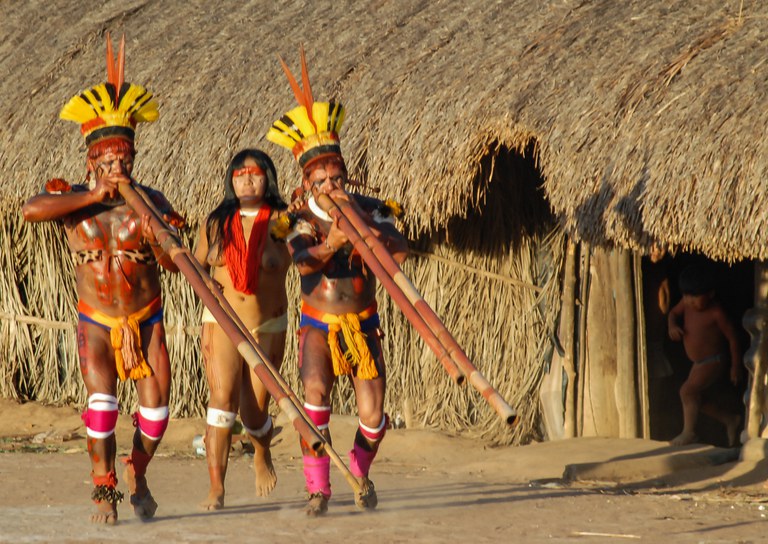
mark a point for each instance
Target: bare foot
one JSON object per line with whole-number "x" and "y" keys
{"x": 684, "y": 438}
{"x": 366, "y": 499}
{"x": 265, "y": 472}
{"x": 732, "y": 428}
{"x": 144, "y": 505}
{"x": 106, "y": 497}
{"x": 317, "y": 505}
{"x": 214, "y": 501}
{"x": 105, "y": 514}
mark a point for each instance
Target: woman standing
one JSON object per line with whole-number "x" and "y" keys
{"x": 250, "y": 267}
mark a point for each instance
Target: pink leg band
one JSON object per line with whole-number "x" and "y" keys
{"x": 317, "y": 474}
{"x": 152, "y": 422}
{"x": 100, "y": 417}
{"x": 320, "y": 415}
{"x": 360, "y": 461}
{"x": 374, "y": 434}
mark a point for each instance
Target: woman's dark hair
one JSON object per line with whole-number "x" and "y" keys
{"x": 215, "y": 225}
{"x": 696, "y": 280}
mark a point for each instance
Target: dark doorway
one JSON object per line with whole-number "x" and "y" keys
{"x": 668, "y": 365}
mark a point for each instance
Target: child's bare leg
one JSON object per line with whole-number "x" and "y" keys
{"x": 729, "y": 419}
{"x": 690, "y": 399}
{"x": 700, "y": 377}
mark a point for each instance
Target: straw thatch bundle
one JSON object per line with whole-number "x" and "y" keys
{"x": 635, "y": 121}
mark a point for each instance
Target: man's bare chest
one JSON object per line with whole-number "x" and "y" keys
{"x": 109, "y": 229}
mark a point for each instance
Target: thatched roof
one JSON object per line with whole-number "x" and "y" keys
{"x": 647, "y": 117}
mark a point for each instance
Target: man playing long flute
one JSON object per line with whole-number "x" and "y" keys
{"x": 120, "y": 330}
{"x": 340, "y": 332}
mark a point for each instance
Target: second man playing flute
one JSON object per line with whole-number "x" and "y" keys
{"x": 340, "y": 332}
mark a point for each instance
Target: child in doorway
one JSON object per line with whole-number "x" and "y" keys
{"x": 711, "y": 343}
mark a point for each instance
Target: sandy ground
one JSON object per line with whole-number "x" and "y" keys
{"x": 432, "y": 488}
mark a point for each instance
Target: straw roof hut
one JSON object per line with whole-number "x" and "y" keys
{"x": 502, "y": 126}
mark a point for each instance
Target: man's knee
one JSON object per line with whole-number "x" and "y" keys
{"x": 317, "y": 391}
{"x": 222, "y": 400}
{"x": 259, "y": 431}
{"x": 100, "y": 417}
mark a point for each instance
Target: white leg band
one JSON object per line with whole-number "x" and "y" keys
{"x": 317, "y": 408}
{"x": 258, "y": 433}
{"x": 102, "y": 396}
{"x": 371, "y": 429}
{"x": 154, "y": 414}
{"x": 220, "y": 418}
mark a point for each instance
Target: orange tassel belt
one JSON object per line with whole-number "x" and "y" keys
{"x": 125, "y": 335}
{"x": 353, "y": 327}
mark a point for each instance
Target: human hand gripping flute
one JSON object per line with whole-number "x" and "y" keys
{"x": 336, "y": 239}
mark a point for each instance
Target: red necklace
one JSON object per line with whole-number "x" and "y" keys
{"x": 244, "y": 263}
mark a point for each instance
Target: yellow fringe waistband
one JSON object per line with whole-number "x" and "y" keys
{"x": 125, "y": 336}
{"x": 358, "y": 353}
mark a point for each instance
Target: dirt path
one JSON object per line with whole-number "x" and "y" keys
{"x": 432, "y": 488}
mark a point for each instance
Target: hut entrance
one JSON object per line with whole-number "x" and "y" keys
{"x": 667, "y": 363}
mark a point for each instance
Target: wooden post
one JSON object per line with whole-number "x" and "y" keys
{"x": 756, "y": 358}
{"x": 567, "y": 326}
{"x": 625, "y": 389}
{"x": 584, "y": 277}
{"x": 642, "y": 348}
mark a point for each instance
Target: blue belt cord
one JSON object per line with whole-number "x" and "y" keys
{"x": 371, "y": 323}
{"x": 151, "y": 320}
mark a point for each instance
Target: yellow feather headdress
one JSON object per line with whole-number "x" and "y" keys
{"x": 111, "y": 109}
{"x": 311, "y": 129}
